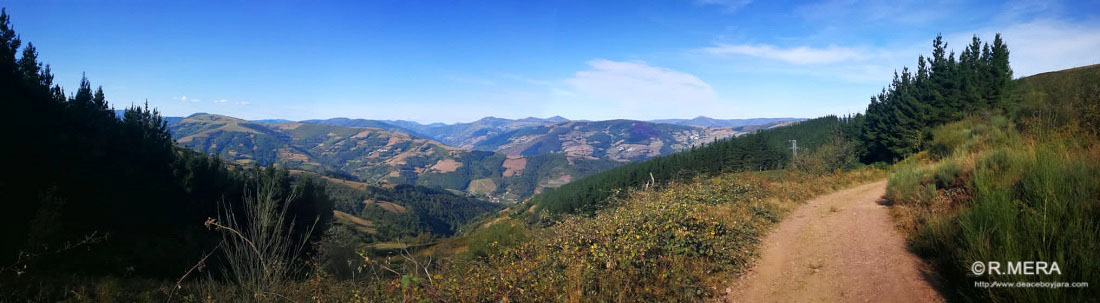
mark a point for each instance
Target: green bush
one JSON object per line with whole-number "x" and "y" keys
{"x": 948, "y": 138}
{"x": 971, "y": 135}
{"x": 910, "y": 184}
{"x": 949, "y": 174}
{"x": 498, "y": 236}
{"x": 836, "y": 155}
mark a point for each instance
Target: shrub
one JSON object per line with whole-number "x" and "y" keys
{"x": 949, "y": 174}
{"x": 258, "y": 246}
{"x": 948, "y": 138}
{"x": 836, "y": 155}
{"x": 497, "y": 236}
{"x": 910, "y": 183}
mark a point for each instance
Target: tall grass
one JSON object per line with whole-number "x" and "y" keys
{"x": 258, "y": 246}
{"x": 1038, "y": 204}
{"x": 1017, "y": 200}
{"x": 911, "y": 183}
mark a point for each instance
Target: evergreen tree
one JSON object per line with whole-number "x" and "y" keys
{"x": 944, "y": 89}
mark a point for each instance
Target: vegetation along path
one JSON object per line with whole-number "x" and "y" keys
{"x": 840, "y": 247}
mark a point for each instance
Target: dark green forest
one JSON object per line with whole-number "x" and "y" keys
{"x": 433, "y": 212}
{"x": 89, "y": 193}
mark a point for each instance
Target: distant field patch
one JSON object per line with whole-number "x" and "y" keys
{"x": 391, "y": 207}
{"x": 514, "y": 165}
{"x": 482, "y": 186}
{"x": 446, "y": 165}
{"x": 357, "y": 223}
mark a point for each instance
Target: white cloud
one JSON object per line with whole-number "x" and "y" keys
{"x": 1036, "y": 46}
{"x": 1045, "y": 45}
{"x": 186, "y": 99}
{"x": 244, "y": 103}
{"x": 221, "y": 101}
{"x": 796, "y": 55}
{"x": 632, "y": 89}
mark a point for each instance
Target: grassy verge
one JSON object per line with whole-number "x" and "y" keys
{"x": 999, "y": 196}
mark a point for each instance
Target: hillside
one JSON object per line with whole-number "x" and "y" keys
{"x": 989, "y": 187}
{"x": 380, "y": 156}
{"x": 510, "y": 160}
{"x": 96, "y": 192}
{"x": 959, "y": 181}
{"x": 764, "y": 150}
{"x": 462, "y": 135}
{"x": 616, "y": 140}
{"x": 397, "y": 213}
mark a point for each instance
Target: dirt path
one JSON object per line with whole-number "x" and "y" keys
{"x": 841, "y": 247}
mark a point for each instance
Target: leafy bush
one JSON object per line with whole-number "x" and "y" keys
{"x": 836, "y": 155}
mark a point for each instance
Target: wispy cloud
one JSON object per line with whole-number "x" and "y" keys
{"x": 795, "y": 55}
{"x": 633, "y": 89}
{"x": 1045, "y": 45}
{"x": 186, "y": 99}
{"x": 221, "y": 101}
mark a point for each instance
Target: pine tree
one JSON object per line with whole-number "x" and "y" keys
{"x": 1000, "y": 72}
{"x": 9, "y": 43}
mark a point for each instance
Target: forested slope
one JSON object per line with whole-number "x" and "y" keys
{"x": 89, "y": 193}
{"x": 764, "y": 150}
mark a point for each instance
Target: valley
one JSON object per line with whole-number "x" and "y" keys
{"x": 496, "y": 159}
{"x": 963, "y": 159}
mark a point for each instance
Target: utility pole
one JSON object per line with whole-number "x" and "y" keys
{"x": 794, "y": 148}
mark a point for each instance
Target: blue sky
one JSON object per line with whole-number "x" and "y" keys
{"x": 451, "y": 61}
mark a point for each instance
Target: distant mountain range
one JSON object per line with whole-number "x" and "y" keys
{"x": 500, "y": 159}
{"x": 463, "y": 135}
{"x": 702, "y": 121}
{"x": 618, "y": 140}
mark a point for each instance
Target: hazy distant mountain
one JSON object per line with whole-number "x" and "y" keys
{"x": 463, "y": 135}
{"x": 380, "y": 155}
{"x": 702, "y": 121}
{"x": 379, "y": 124}
{"x": 617, "y": 140}
{"x": 502, "y": 159}
{"x": 273, "y": 121}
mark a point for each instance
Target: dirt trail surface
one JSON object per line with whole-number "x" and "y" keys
{"x": 840, "y": 247}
